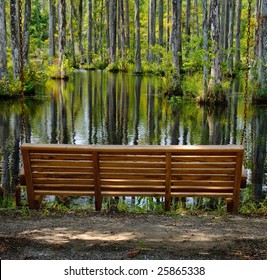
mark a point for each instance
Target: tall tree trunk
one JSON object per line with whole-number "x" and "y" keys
{"x": 3, "y": 42}
{"x": 62, "y": 36}
{"x": 151, "y": 29}
{"x": 138, "y": 67}
{"x": 127, "y": 24}
{"x": 197, "y": 18}
{"x": 123, "y": 27}
{"x": 26, "y": 33}
{"x": 101, "y": 30}
{"x": 262, "y": 59}
{"x": 205, "y": 48}
{"x": 187, "y": 21}
{"x": 90, "y": 32}
{"x": 230, "y": 37}
{"x": 215, "y": 36}
{"x": 238, "y": 34}
{"x": 112, "y": 30}
{"x": 168, "y": 41}
{"x": 52, "y": 28}
{"x": 72, "y": 35}
{"x": 175, "y": 38}
{"x": 15, "y": 38}
{"x": 160, "y": 17}
{"x": 80, "y": 30}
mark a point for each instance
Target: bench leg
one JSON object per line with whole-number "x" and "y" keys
{"x": 229, "y": 205}
{"x": 98, "y": 204}
{"x": 18, "y": 195}
{"x": 35, "y": 203}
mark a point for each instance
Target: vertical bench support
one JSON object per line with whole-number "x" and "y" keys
{"x": 168, "y": 182}
{"x": 97, "y": 183}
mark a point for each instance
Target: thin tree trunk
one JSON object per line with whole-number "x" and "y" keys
{"x": 127, "y": 24}
{"x": 205, "y": 48}
{"x": 175, "y": 44}
{"x": 197, "y": 18}
{"x": 3, "y": 42}
{"x": 138, "y": 67}
{"x": 26, "y": 33}
{"x": 90, "y": 32}
{"x": 80, "y": 30}
{"x": 168, "y": 41}
{"x": 62, "y": 36}
{"x": 263, "y": 51}
{"x": 52, "y": 29}
{"x": 160, "y": 17}
{"x": 151, "y": 29}
{"x": 238, "y": 34}
{"x": 112, "y": 30}
{"x": 230, "y": 37}
{"x": 215, "y": 36}
{"x": 15, "y": 39}
{"x": 72, "y": 35}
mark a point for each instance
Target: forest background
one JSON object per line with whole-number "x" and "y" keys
{"x": 195, "y": 45}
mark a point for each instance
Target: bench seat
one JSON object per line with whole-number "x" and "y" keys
{"x": 120, "y": 170}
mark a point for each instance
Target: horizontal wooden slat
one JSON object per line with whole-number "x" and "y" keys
{"x": 136, "y": 194}
{"x": 65, "y": 181}
{"x": 204, "y": 171}
{"x": 53, "y": 156}
{"x": 48, "y": 163}
{"x": 204, "y": 177}
{"x": 203, "y": 158}
{"x": 71, "y": 175}
{"x": 65, "y": 192}
{"x": 202, "y": 194}
{"x": 127, "y": 183}
{"x": 62, "y": 169}
{"x": 201, "y": 183}
{"x": 125, "y": 165}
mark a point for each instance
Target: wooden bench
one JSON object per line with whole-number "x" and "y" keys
{"x": 119, "y": 170}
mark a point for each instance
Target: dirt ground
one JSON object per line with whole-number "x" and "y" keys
{"x": 131, "y": 236}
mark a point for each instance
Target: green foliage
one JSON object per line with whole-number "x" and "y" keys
{"x": 9, "y": 87}
{"x": 7, "y": 201}
{"x": 53, "y": 71}
{"x": 34, "y": 76}
{"x": 113, "y": 67}
{"x": 192, "y": 86}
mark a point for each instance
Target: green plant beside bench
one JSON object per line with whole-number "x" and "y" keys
{"x": 120, "y": 170}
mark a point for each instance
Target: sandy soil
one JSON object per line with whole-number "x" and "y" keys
{"x": 131, "y": 236}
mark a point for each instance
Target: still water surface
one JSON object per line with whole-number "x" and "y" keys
{"x": 105, "y": 108}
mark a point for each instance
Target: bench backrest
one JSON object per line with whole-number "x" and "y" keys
{"x": 119, "y": 170}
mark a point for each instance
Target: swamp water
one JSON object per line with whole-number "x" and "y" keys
{"x": 97, "y": 107}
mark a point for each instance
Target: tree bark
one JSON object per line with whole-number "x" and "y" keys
{"x": 175, "y": 42}
{"x": 112, "y": 30}
{"x": 72, "y": 36}
{"x": 15, "y": 39}
{"x": 151, "y": 29}
{"x": 80, "y": 30}
{"x": 205, "y": 48}
{"x": 3, "y": 42}
{"x": 26, "y": 33}
{"x": 90, "y": 33}
{"x": 138, "y": 67}
{"x": 52, "y": 29}
{"x": 230, "y": 37}
{"x": 238, "y": 34}
{"x": 215, "y": 36}
{"x": 263, "y": 51}
{"x": 160, "y": 17}
{"x": 62, "y": 36}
